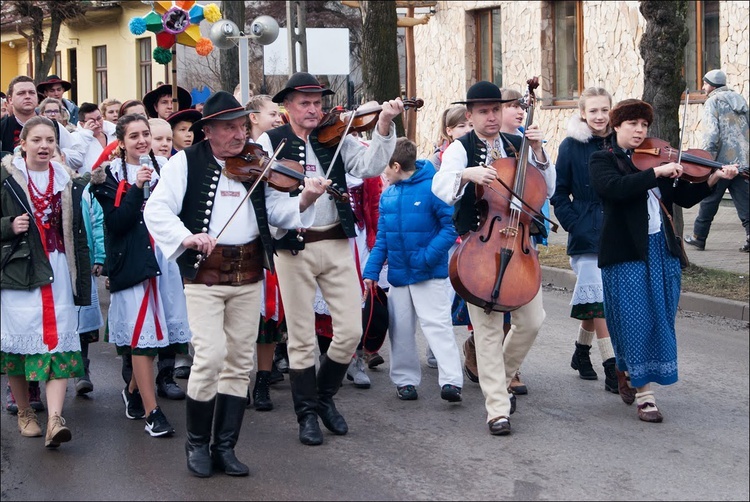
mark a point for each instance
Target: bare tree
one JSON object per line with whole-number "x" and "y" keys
{"x": 380, "y": 53}
{"x": 58, "y": 11}
{"x": 230, "y": 63}
{"x": 663, "y": 50}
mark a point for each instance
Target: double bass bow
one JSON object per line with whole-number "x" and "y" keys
{"x": 496, "y": 267}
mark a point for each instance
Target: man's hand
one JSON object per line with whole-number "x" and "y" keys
{"x": 203, "y": 243}
{"x": 314, "y": 188}
{"x": 390, "y": 110}
{"x": 480, "y": 175}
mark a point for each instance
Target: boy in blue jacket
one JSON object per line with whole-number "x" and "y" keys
{"x": 415, "y": 232}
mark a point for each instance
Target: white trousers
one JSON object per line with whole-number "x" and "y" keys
{"x": 428, "y": 302}
{"x": 224, "y": 322}
{"x": 497, "y": 363}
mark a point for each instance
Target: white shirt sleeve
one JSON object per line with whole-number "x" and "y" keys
{"x": 73, "y": 148}
{"x": 165, "y": 203}
{"x": 446, "y": 185}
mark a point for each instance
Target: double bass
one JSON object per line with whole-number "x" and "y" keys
{"x": 496, "y": 267}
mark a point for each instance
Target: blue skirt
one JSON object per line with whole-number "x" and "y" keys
{"x": 640, "y": 304}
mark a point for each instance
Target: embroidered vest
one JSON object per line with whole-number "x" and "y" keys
{"x": 202, "y": 179}
{"x": 295, "y": 150}
{"x": 466, "y": 214}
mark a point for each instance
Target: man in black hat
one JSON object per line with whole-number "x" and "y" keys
{"x": 321, "y": 256}
{"x": 455, "y": 184}
{"x": 54, "y": 87}
{"x": 158, "y": 103}
{"x": 189, "y": 208}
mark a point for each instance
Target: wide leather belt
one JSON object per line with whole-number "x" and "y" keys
{"x": 336, "y": 232}
{"x": 231, "y": 266}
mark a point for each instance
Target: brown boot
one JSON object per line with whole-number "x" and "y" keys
{"x": 517, "y": 387}
{"x": 28, "y": 423}
{"x": 56, "y": 432}
{"x": 470, "y": 359}
{"x": 627, "y": 393}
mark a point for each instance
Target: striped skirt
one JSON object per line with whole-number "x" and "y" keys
{"x": 640, "y": 304}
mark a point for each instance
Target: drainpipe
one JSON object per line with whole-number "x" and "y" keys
{"x": 30, "y": 49}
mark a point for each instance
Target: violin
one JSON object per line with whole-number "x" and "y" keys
{"x": 496, "y": 267}
{"x": 697, "y": 165}
{"x": 334, "y": 123}
{"x": 284, "y": 175}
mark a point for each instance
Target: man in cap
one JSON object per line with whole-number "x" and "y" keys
{"x": 189, "y": 208}
{"x": 55, "y": 87}
{"x": 455, "y": 184}
{"x": 321, "y": 256}
{"x": 158, "y": 103}
{"x": 725, "y": 136}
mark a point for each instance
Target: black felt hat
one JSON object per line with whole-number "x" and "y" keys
{"x": 220, "y": 106}
{"x": 152, "y": 97}
{"x": 301, "y": 82}
{"x": 483, "y": 92}
{"x": 52, "y": 80}
{"x": 190, "y": 115}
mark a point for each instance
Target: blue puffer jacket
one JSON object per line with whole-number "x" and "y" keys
{"x": 415, "y": 231}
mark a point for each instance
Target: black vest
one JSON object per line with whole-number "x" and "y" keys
{"x": 466, "y": 214}
{"x": 295, "y": 150}
{"x": 202, "y": 181}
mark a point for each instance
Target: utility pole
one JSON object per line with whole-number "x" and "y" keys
{"x": 296, "y": 33}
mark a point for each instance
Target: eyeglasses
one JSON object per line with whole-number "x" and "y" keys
{"x": 51, "y": 112}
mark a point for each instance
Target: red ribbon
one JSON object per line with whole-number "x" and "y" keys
{"x": 121, "y": 189}
{"x": 151, "y": 288}
{"x": 49, "y": 319}
{"x": 272, "y": 287}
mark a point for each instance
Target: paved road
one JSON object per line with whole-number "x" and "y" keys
{"x": 571, "y": 440}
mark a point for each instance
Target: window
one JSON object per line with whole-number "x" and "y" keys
{"x": 58, "y": 64}
{"x": 702, "y": 50}
{"x": 144, "y": 65}
{"x": 489, "y": 48}
{"x": 562, "y": 51}
{"x": 100, "y": 63}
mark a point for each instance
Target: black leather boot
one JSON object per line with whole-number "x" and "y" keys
{"x": 229, "y": 413}
{"x": 610, "y": 376}
{"x": 581, "y": 361}
{"x": 165, "y": 384}
{"x": 330, "y": 376}
{"x": 200, "y": 414}
{"x": 305, "y": 397}
{"x": 262, "y": 391}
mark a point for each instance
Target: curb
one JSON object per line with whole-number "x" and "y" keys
{"x": 694, "y": 302}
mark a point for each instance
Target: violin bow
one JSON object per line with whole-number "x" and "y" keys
{"x": 341, "y": 142}
{"x": 682, "y": 131}
{"x": 252, "y": 188}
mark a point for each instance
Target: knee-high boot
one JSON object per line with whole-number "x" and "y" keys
{"x": 200, "y": 415}
{"x": 330, "y": 376}
{"x": 305, "y": 397}
{"x": 229, "y": 413}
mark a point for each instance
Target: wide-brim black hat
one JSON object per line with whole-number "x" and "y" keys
{"x": 483, "y": 92}
{"x": 190, "y": 115}
{"x": 2, "y": 94}
{"x": 152, "y": 97}
{"x": 220, "y": 106}
{"x": 301, "y": 82}
{"x": 51, "y": 80}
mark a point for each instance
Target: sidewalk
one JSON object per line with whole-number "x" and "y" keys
{"x": 722, "y": 253}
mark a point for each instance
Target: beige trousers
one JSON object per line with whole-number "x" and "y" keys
{"x": 224, "y": 323}
{"x": 327, "y": 264}
{"x": 497, "y": 363}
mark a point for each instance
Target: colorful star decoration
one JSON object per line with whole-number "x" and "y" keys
{"x": 176, "y": 22}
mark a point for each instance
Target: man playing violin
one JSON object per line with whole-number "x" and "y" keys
{"x": 321, "y": 256}
{"x": 455, "y": 183}
{"x": 193, "y": 205}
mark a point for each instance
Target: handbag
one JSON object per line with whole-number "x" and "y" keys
{"x": 375, "y": 319}
{"x": 676, "y": 247}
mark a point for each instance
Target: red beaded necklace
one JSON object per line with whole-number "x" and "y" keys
{"x": 41, "y": 201}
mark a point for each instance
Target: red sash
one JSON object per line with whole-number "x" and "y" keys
{"x": 49, "y": 319}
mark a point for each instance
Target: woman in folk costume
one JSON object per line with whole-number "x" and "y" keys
{"x": 147, "y": 307}
{"x": 45, "y": 274}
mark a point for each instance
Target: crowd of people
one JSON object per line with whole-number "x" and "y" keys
{"x": 220, "y": 275}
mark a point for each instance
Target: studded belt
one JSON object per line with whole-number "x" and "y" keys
{"x": 231, "y": 266}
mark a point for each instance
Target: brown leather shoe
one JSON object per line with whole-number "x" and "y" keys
{"x": 470, "y": 359}
{"x": 499, "y": 426}
{"x": 517, "y": 387}
{"x": 648, "y": 412}
{"x": 28, "y": 423}
{"x": 627, "y": 393}
{"x": 56, "y": 432}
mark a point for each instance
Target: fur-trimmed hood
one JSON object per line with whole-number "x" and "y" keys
{"x": 578, "y": 129}
{"x": 99, "y": 175}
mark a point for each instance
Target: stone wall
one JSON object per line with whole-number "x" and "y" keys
{"x": 446, "y": 58}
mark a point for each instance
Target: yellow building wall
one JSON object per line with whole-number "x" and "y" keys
{"x": 108, "y": 28}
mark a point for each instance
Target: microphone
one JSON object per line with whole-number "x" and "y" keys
{"x": 145, "y": 160}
